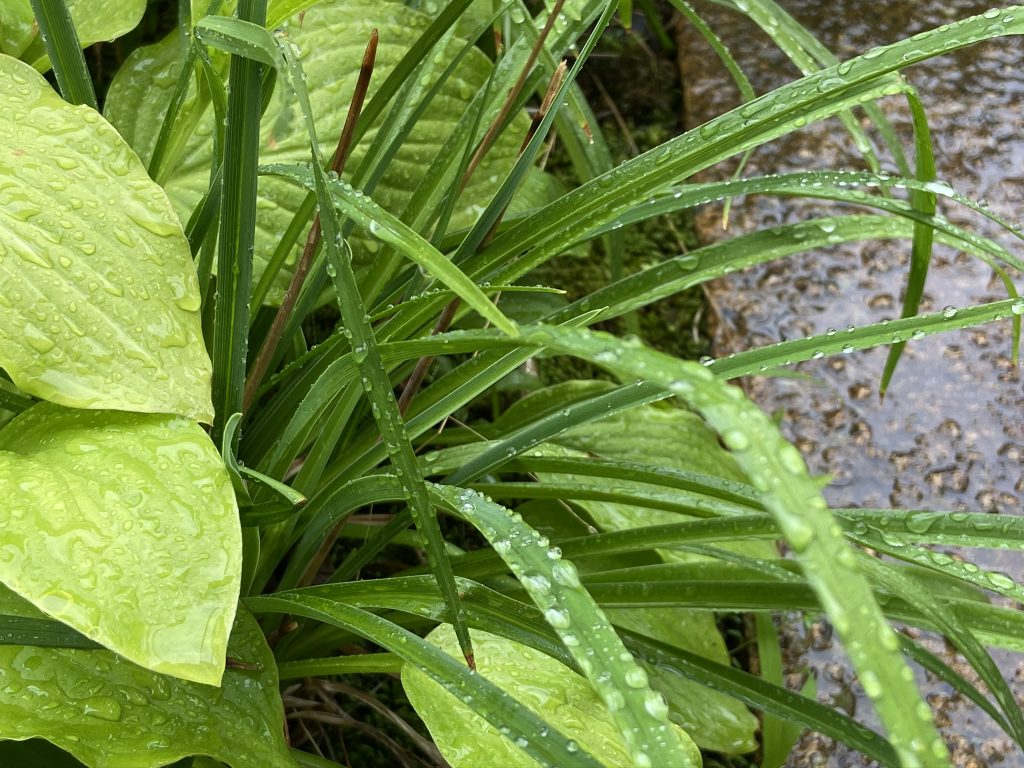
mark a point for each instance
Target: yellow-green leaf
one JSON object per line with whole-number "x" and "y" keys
{"x": 99, "y": 304}
{"x": 125, "y": 527}
{"x": 544, "y": 685}
{"x": 108, "y": 712}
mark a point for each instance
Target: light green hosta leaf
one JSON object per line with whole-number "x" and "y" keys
{"x": 108, "y": 712}
{"x": 99, "y": 302}
{"x": 95, "y": 20}
{"x": 123, "y": 526}
{"x": 332, "y": 36}
{"x": 544, "y": 685}
{"x": 141, "y": 91}
{"x": 659, "y": 437}
{"x": 17, "y": 27}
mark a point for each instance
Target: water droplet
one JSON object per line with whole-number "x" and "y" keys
{"x": 736, "y": 440}
{"x": 799, "y": 534}
{"x": 636, "y": 678}
{"x": 102, "y": 707}
{"x": 872, "y": 685}
{"x": 564, "y": 573}
{"x": 558, "y": 618}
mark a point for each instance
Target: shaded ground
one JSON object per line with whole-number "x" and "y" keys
{"x": 950, "y": 434}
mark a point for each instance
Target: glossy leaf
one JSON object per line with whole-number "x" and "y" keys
{"x": 94, "y": 20}
{"x": 108, "y": 712}
{"x": 546, "y": 686}
{"x": 100, "y": 301}
{"x": 487, "y": 699}
{"x": 639, "y": 713}
{"x": 715, "y": 721}
{"x": 123, "y": 526}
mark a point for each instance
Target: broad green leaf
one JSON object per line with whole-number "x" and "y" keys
{"x": 16, "y": 26}
{"x": 99, "y": 307}
{"x": 108, "y": 712}
{"x": 544, "y": 685}
{"x": 553, "y": 584}
{"x": 331, "y": 36}
{"x": 95, "y": 20}
{"x": 141, "y": 91}
{"x": 123, "y": 526}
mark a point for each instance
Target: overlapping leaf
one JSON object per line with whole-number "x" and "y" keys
{"x": 546, "y": 686}
{"x": 94, "y": 20}
{"x": 123, "y": 526}
{"x": 331, "y": 36}
{"x": 100, "y": 302}
{"x": 108, "y": 712}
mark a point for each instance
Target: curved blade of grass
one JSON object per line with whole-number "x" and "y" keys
{"x": 921, "y": 250}
{"x": 899, "y": 526}
{"x": 542, "y": 742}
{"x": 358, "y": 664}
{"x": 811, "y": 98}
{"x": 735, "y": 72}
{"x": 732, "y": 496}
{"x": 328, "y": 508}
{"x": 778, "y": 472}
{"x": 23, "y": 630}
{"x": 761, "y": 359}
{"x": 751, "y": 362}
{"x": 795, "y": 41}
{"x": 445, "y": 396}
{"x": 805, "y": 40}
{"x": 940, "y": 562}
{"x": 724, "y": 257}
{"x": 778, "y": 736}
{"x": 501, "y": 199}
{"x": 933, "y": 527}
{"x": 579, "y": 490}
{"x": 495, "y": 607}
{"x": 760, "y": 694}
{"x": 841, "y": 186}
{"x": 167, "y": 138}
{"x": 554, "y": 586}
{"x": 914, "y": 592}
{"x": 733, "y": 682}
{"x": 62, "y": 47}
{"x": 375, "y": 380}
{"x": 801, "y": 47}
{"x": 548, "y": 426}
{"x": 943, "y": 671}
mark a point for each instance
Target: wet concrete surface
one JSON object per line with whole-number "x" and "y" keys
{"x": 950, "y": 434}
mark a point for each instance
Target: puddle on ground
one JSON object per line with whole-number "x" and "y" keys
{"x": 950, "y": 434}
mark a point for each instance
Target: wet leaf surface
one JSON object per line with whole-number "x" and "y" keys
{"x": 123, "y": 526}
{"x": 108, "y": 712}
{"x": 546, "y": 686}
{"x": 100, "y": 307}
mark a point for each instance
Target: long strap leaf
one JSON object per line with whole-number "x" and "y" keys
{"x": 777, "y": 470}
{"x": 541, "y": 741}
{"x": 64, "y": 51}
{"x": 237, "y": 225}
{"x": 374, "y": 375}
